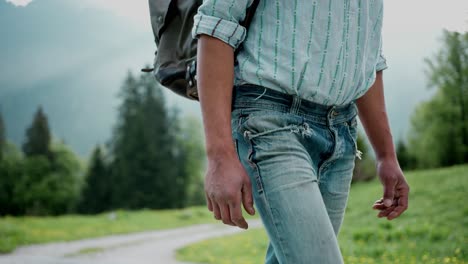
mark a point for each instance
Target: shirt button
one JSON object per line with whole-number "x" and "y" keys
{"x": 160, "y": 19}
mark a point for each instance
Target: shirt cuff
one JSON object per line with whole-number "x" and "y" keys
{"x": 229, "y": 32}
{"x": 381, "y": 64}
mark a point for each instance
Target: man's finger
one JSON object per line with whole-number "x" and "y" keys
{"x": 403, "y": 199}
{"x": 208, "y": 202}
{"x": 396, "y": 212}
{"x": 236, "y": 216}
{"x": 402, "y": 206}
{"x": 247, "y": 199}
{"x": 389, "y": 192}
{"x": 216, "y": 211}
{"x": 379, "y": 206}
{"x": 225, "y": 215}
{"x": 386, "y": 212}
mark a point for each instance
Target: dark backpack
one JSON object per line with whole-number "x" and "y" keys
{"x": 175, "y": 60}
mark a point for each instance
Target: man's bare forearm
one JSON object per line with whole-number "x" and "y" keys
{"x": 373, "y": 116}
{"x": 375, "y": 121}
{"x": 227, "y": 184}
{"x": 215, "y": 75}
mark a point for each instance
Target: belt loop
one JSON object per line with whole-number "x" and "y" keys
{"x": 331, "y": 115}
{"x": 296, "y": 104}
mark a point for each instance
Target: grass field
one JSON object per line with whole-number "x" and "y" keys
{"x": 16, "y": 231}
{"x": 434, "y": 229}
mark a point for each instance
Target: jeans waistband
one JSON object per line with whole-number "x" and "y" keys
{"x": 258, "y": 97}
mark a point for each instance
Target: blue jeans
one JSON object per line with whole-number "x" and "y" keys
{"x": 299, "y": 156}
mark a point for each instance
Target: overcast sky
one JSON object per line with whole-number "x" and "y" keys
{"x": 427, "y": 15}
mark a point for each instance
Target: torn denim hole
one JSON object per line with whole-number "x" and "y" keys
{"x": 306, "y": 131}
{"x": 303, "y": 129}
{"x": 294, "y": 129}
{"x": 359, "y": 154}
{"x": 247, "y": 134}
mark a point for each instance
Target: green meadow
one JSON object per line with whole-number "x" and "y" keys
{"x": 434, "y": 229}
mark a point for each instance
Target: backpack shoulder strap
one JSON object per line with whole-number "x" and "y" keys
{"x": 247, "y": 21}
{"x": 250, "y": 14}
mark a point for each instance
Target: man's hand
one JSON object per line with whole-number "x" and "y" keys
{"x": 395, "y": 190}
{"x": 374, "y": 118}
{"x": 227, "y": 185}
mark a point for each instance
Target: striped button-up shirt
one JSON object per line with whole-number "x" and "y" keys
{"x": 326, "y": 51}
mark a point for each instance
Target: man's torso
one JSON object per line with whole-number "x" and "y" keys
{"x": 325, "y": 51}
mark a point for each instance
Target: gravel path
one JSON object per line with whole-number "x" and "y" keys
{"x": 155, "y": 247}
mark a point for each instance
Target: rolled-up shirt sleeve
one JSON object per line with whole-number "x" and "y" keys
{"x": 381, "y": 59}
{"x": 221, "y": 19}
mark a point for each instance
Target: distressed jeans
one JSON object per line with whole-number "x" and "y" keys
{"x": 299, "y": 156}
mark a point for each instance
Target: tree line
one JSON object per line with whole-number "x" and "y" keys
{"x": 41, "y": 179}
{"x": 153, "y": 160}
{"x": 439, "y": 127}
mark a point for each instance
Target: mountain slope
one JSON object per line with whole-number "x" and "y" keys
{"x": 70, "y": 60}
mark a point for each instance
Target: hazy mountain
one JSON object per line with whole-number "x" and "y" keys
{"x": 71, "y": 61}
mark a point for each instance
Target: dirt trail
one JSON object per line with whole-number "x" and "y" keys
{"x": 155, "y": 247}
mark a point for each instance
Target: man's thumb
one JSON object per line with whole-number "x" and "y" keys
{"x": 389, "y": 193}
{"x": 247, "y": 199}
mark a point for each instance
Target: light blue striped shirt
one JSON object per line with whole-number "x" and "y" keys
{"x": 326, "y": 51}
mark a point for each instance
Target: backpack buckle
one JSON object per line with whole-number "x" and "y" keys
{"x": 191, "y": 73}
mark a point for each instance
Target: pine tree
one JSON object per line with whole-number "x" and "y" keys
{"x": 144, "y": 166}
{"x": 123, "y": 144}
{"x": 96, "y": 193}
{"x": 2, "y": 137}
{"x": 38, "y": 136}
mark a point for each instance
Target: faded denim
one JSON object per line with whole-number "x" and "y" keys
{"x": 300, "y": 157}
